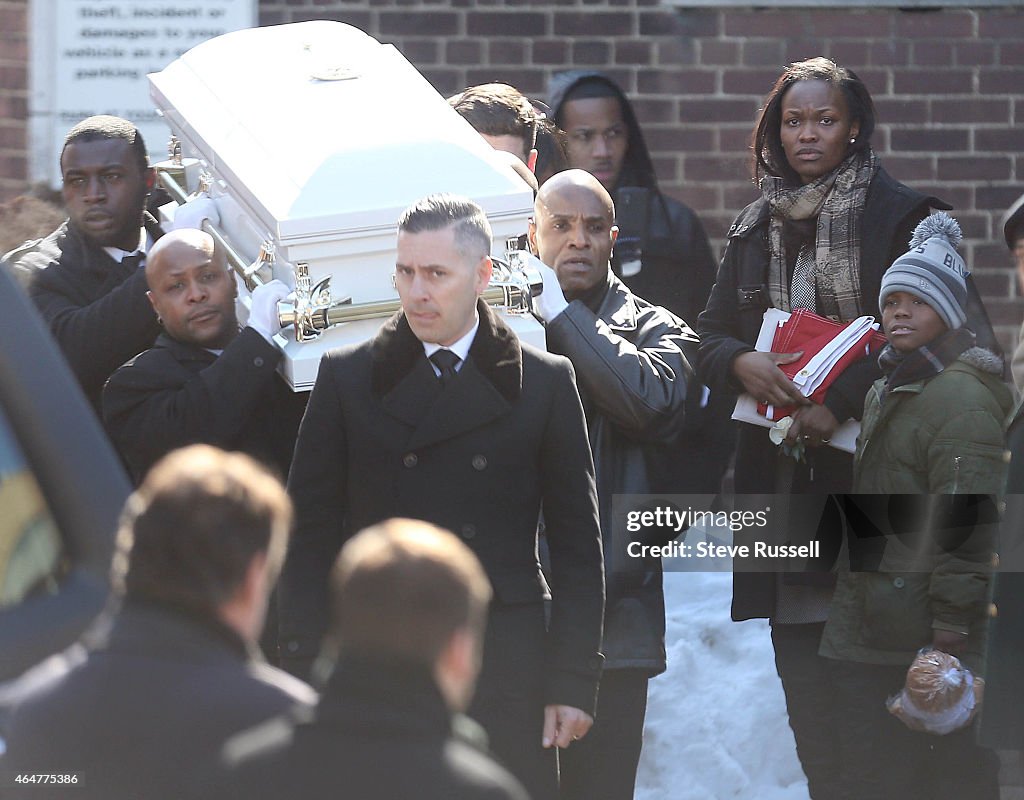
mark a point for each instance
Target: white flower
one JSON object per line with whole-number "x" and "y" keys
{"x": 779, "y": 430}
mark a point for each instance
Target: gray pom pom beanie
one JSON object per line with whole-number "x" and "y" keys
{"x": 932, "y": 269}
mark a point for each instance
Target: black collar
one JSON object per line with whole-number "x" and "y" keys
{"x": 495, "y": 351}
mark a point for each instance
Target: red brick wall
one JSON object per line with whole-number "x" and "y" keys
{"x": 949, "y": 86}
{"x": 13, "y": 96}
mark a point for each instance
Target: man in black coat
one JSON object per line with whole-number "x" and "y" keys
{"x": 85, "y": 277}
{"x": 204, "y": 381}
{"x": 662, "y": 254}
{"x": 410, "y": 605}
{"x": 144, "y": 711}
{"x": 445, "y": 416}
{"x": 633, "y": 377}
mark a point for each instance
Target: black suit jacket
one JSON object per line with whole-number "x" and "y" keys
{"x": 480, "y": 456}
{"x": 177, "y": 394}
{"x": 146, "y": 713}
{"x": 380, "y": 732}
{"x": 95, "y": 307}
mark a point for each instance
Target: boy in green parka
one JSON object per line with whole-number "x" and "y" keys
{"x": 932, "y": 427}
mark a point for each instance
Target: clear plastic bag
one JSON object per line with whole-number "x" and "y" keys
{"x": 940, "y": 694}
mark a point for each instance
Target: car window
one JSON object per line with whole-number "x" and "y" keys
{"x": 31, "y": 549}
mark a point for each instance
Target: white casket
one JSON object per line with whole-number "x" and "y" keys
{"x": 315, "y": 138}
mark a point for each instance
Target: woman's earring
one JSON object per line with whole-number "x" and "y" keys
{"x": 853, "y": 140}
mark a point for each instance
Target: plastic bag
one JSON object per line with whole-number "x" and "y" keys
{"x": 940, "y": 694}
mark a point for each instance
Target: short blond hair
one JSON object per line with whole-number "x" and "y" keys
{"x": 403, "y": 587}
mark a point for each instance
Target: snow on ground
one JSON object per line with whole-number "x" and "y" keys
{"x": 716, "y": 721}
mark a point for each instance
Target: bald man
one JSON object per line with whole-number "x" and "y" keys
{"x": 633, "y": 366}
{"x": 203, "y": 381}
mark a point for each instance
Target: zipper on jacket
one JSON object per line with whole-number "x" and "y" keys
{"x": 956, "y": 473}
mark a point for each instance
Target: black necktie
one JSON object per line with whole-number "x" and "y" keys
{"x": 445, "y": 360}
{"x": 131, "y": 262}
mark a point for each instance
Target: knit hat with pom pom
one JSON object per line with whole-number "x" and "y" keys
{"x": 932, "y": 269}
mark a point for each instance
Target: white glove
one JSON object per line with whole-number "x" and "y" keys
{"x": 195, "y": 211}
{"x": 263, "y": 316}
{"x": 551, "y": 301}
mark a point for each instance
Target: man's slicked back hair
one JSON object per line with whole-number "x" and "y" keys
{"x": 436, "y": 212}
{"x": 104, "y": 126}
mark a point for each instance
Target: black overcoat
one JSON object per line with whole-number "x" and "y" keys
{"x": 176, "y": 394}
{"x": 480, "y": 456}
{"x": 96, "y": 308}
{"x": 380, "y": 732}
{"x": 144, "y": 713}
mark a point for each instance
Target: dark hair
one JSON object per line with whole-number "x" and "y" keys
{"x": 438, "y": 211}
{"x": 191, "y": 530}
{"x": 552, "y": 156}
{"x": 402, "y": 588}
{"x": 589, "y": 87}
{"x": 769, "y": 155}
{"x": 498, "y": 109}
{"x": 105, "y": 126}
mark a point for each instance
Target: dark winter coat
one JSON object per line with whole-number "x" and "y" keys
{"x": 96, "y": 308}
{"x": 146, "y": 713}
{"x": 940, "y": 436}
{"x": 176, "y": 394}
{"x": 730, "y": 324}
{"x": 380, "y": 732}
{"x": 677, "y": 272}
{"x": 633, "y": 367}
{"x": 479, "y": 456}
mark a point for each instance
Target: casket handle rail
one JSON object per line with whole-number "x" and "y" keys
{"x": 513, "y": 285}
{"x": 512, "y": 288}
{"x": 247, "y": 272}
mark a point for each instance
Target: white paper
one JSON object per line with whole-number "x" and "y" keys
{"x": 845, "y": 436}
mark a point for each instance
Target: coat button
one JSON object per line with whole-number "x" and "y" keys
{"x": 258, "y": 361}
{"x": 293, "y": 646}
{"x": 468, "y": 531}
{"x": 410, "y": 460}
{"x": 479, "y": 463}
{"x": 899, "y": 583}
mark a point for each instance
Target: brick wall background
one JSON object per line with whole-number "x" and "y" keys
{"x": 948, "y": 84}
{"x": 13, "y": 97}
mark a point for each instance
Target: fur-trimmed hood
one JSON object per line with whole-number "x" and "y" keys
{"x": 495, "y": 351}
{"x": 983, "y": 359}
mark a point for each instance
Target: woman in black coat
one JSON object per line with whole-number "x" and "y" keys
{"x": 829, "y": 223}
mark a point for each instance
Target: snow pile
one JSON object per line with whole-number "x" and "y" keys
{"x": 716, "y": 721}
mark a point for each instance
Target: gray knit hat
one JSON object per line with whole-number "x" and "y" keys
{"x": 932, "y": 269}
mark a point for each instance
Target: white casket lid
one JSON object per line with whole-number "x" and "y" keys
{"x": 318, "y": 157}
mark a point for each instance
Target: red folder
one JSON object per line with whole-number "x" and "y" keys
{"x": 807, "y": 332}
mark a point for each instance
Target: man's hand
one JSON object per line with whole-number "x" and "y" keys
{"x": 563, "y": 725}
{"x": 263, "y": 316}
{"x": 761, "y": 377}
{"x": 551, "y": 301}
{"x": 951, "y": 642}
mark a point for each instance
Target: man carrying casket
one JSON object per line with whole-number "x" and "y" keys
{"x": 204, "y": 380}
{"x": 445, "y": 416}
{"x": 85, "y": 277}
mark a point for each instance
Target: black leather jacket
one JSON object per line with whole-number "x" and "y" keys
{"x": 633, "y": 366}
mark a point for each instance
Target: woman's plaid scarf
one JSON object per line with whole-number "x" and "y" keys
{"x": 837, "y": 200}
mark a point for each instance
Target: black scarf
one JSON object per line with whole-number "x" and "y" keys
{"x": 926, "y": 361}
